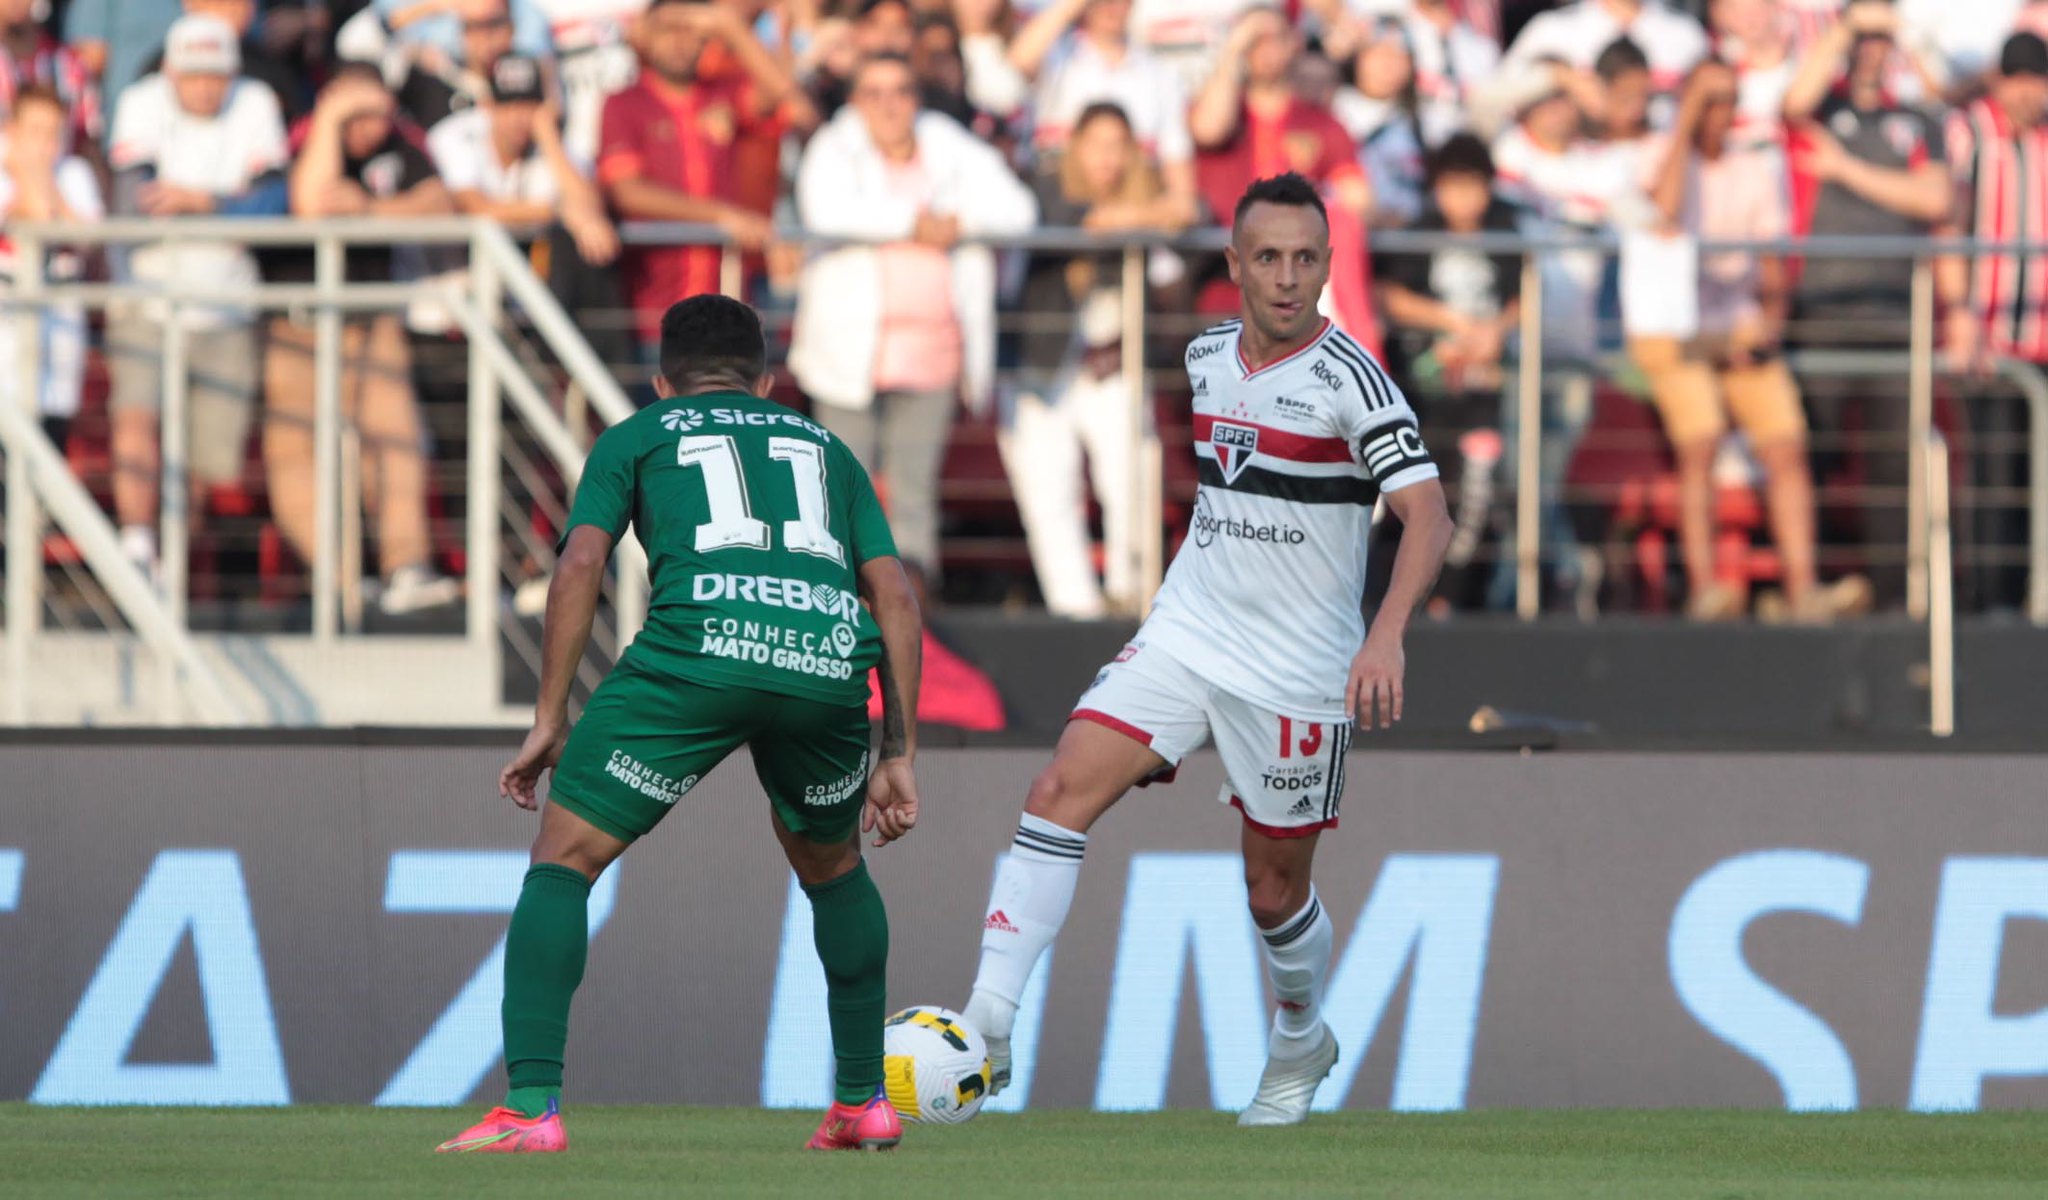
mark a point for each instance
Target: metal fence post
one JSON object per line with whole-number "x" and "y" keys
{"x": 174, "y": 499}
{"x": 1145, "y": 502}
{"x": 24, "y": 515}
{"x": 483, "y": 483}
{"x": 328, "y": 268}
{"x": 1941, "y": 612}
{"x": 1529, "y": 445}
{"x": 1919, "y": 427}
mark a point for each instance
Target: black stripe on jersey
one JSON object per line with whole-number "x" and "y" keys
{"x": 1335, "y": 795}
{"x": 1300, "y": 489}
{"x": 1365, "y": 394}
{"x": 1382, "y": 393}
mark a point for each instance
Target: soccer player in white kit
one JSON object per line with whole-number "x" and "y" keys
{"x": 1297, "y": 432}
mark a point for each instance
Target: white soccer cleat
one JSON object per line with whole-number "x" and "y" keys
{"x": 998, "y": 1064}
{"x": 1288, "y": 1085}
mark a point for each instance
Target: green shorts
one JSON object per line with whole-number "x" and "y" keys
{"x": 645, "y": 740}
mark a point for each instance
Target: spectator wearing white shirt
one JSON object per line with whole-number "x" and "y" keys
{"x": 887, "y": 335}
{"x": 994, "y": 85}
{"x": 1080, "y": 52}
{"x": 196, "y": 139}
{"x": 41, "y": 181}
{"x": 594, "y": 58}
{"x": 1189, "y": 36}
{"x": 1575, "y": 34}
{"x": 1755, "y": 37}
{"x": 506, "y": 160}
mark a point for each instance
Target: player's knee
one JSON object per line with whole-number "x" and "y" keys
{"x": 1049, "y": 796}
{"x": 574, "y": 853}
{"x": 1273, "y": 895}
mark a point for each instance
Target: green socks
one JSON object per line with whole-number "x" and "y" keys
{"x": 852, "y": 932}
{"x": 544, "y": 954}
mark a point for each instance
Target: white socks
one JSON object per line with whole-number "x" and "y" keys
{"x": 1298, "y": 959}
{"x": 1033, "y": 890}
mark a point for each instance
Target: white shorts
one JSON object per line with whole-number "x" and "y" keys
{"x": 1284, "y": 774}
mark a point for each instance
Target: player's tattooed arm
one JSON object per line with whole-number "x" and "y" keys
{"x": 892, "y": 789}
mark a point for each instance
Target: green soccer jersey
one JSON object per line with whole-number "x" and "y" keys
{"x": 756, "y": 521}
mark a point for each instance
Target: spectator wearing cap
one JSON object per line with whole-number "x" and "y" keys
{"x": 116, "y": 37}
{"x": 1080, "y": 52}
{"x": 1873, "y": 168}
{"x": 888, "y": 335}
{"x": 1998, "y": 155}
{"x": 354, "y": 159}
{"x": 259, "y": 63}
{"x": 1378, "y": 111}
{"x": 1576, "y": 33}
{"x": 196, "y": 139}
{"x": 30, "y": 56}
{"x": 667, "y": 149}
{"x": 40, "y": 180}
{"x": 506, "y": 160}
{"x": 1706, "y": 189}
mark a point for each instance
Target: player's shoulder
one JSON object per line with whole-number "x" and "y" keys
{"x": 1350, "y": 374}
{"x": 1212, "y": 342}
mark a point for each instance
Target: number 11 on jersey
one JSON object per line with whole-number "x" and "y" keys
{"x": 733, "y": 523}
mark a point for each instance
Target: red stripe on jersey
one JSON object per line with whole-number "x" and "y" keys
{"x": 1279, "y": 443}
{"x": 1108, "y": 722}
{"x": 1304, "y": 349}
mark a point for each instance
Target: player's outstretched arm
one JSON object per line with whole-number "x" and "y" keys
{"x": 1372, "y": 697}
{"x": 892, "y": 789}
{"x": 565, "y": 631}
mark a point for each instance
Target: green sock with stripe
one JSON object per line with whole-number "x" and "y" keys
{"x": 544, "y": 956}
{"x": 851, "y": 929}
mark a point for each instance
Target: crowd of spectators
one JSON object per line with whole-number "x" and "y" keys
{"x": 916, "y": 126}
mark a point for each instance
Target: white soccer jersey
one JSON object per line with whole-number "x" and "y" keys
{"x": 1264, "y": 598}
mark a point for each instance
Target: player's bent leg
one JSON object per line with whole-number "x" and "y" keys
{"x": 1297, "y": 938}
{"x": 1034, "y": 887}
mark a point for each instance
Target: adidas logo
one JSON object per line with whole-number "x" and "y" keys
{"x": 1302, "y": 807}
{"x": 1000, "y": 923}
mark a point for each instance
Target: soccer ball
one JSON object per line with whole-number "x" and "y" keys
{"x": 934, "y": 1065}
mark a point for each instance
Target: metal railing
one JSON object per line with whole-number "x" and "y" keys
{"x": 498, "y": 274}
{"x": 38, "y": 479}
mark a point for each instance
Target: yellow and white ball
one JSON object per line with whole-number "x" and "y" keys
{"x": 934, "y": 1065}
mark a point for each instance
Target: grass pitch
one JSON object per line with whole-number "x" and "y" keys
{"x": 742, "y": 1152}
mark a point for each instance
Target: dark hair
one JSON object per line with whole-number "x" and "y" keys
{"x": 1290, "y": 189}
{"x": 40, "y": 93}
{"x": 359, "y": 70}
{"x": 1100, "y": 110}
{"x": 868, "y": 7}
{"x": 1620, "y": 57}
{"x": 1461, "y": 154}
{"x": 707, "y": 339}
{"x": 882, "y": 56}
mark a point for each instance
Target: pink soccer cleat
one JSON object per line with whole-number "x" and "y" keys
{"x": 508, "y": 1131}
{"x": 870, "y": 1126}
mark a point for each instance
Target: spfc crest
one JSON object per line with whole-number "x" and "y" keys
{"x": 1234, "y": 445}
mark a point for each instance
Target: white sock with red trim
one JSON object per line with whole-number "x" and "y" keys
{"x": 1298, "y": 961}
{"x": 1034, "y": 888}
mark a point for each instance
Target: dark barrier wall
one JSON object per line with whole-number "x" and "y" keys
{"x": 257, "y": 925}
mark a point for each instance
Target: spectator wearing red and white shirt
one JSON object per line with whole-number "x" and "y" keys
{"x": 666, "y": 150}
{"x": 594, "y": 60}
{"x": 1080, "y": 52}
{"x": 1998, "y": 304}
{"x": 29, "y": 55}
{"x": 1575, "y": 34}
{"x": 40, "y": 181}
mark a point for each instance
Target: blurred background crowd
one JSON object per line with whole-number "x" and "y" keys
{"x": 1687, "y": 465}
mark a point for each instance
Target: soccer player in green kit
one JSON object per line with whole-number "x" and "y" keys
{"x": 763, "y": 536}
